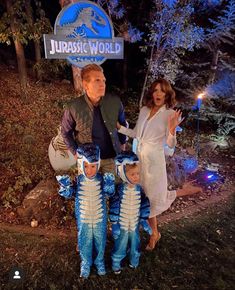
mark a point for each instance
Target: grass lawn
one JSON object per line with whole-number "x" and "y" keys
{"x": 196, "y": 253}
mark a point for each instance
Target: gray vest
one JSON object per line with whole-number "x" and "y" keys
{"x": 82, "y": 112}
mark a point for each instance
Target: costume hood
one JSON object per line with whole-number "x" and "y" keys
{"x": 90, "y": 153}
{"x": 127, "y": 157}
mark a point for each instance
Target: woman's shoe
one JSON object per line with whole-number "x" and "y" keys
{"x": 152, "y": 242}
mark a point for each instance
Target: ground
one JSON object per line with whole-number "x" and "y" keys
{"x": 196, "y": 252}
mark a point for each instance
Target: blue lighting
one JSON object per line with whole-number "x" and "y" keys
{"x": 179, "y": 129}
{"x": 190, "y": 165}
{"x": 70, "y": 16}
{"x": 210, "y": 176}
{"x": 207, "y": 176}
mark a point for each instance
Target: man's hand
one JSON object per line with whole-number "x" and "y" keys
{"x": 118, "y": 125}
{"x": 123, "y": 147}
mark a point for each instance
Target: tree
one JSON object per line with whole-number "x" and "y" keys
{"x": 121, "y": 13}
{"x": 214, "y": 72}
{"x": 222, "y": 32}
{"x": 172, "y": 32}
{"x": 37, "y": 25}
{"x": 17, "y": 24}
{"x": 12, "y": 28}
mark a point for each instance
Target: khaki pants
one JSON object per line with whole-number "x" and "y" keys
{"x": 107, "y": 165}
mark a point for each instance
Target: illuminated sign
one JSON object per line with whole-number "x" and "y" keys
{"x": 83, "y": 34}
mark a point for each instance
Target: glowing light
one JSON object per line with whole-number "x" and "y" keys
{"x": 200, "y": 96}
{"x": 210, "y": 176}
{"x": 199, "y": 100}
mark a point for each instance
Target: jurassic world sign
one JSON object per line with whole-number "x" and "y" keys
{"x": 83, "y": 34}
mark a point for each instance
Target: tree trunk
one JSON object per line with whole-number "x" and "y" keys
{"x": 38, "y": 57}
{"x": 125, "y": 68}
{"x": 18, "y": 48}
{"x": 77, "y": 82}
{"x": 21, "y": 65}
{"x": 146, "y": 76}
{"x": 37, "y": 49}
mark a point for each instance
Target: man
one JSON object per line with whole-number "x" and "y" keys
{"x": 92, "y": 117}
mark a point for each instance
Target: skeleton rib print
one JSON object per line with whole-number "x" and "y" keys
{"x": 91, "y": 210}
{"x": 129, "y": 209}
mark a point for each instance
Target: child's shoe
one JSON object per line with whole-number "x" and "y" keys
{"x": 134, "y": 261}
{"x": 117, "y": 272}
{"x": 116, "y": 268}
{"x": 101, "y": 270}
{"x": 85, "y": 271}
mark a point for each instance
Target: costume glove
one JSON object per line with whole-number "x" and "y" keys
{"x": 146, "y": 226}
{"x": 66, "y": 186}
{"x": 109, "y": 184}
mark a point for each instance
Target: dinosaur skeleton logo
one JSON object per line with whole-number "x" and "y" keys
{"x": 86, "y": 17}
{"x": 83, "y": 34}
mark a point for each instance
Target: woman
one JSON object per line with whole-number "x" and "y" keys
{"x": 155, "y": 127}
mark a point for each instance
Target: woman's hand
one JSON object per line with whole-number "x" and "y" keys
{"x": 174, "y": 120}
{"x": 118, "y": 126}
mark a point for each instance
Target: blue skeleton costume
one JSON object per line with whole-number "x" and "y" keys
{"x": 129, "y": 208}
{"x": 90, "y": 208}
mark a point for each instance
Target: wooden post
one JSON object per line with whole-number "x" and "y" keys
{"x": 77, "y": 82}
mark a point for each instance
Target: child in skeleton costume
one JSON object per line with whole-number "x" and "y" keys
{"x": 129, "y": 208}
{"x": 90, "y": 189}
